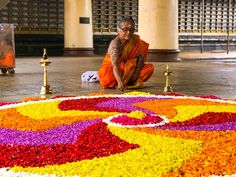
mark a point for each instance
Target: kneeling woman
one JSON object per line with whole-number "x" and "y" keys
{"x": 124, "y": 64}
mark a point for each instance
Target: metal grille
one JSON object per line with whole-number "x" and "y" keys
{"x": 107, "y": 13}
{"x": 47, "y": 16}
{"x": 34, "y": 16}
{"x": 211, "y": 16}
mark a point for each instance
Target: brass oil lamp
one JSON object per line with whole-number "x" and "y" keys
{"x": 168, "y": 74}
{"x": 46, "y": 89}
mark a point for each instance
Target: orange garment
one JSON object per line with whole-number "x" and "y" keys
{"x": 8, "y": 60}
{"x": 128, "y": 58}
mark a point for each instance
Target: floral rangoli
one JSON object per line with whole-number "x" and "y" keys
{"x": 126, "y": 135}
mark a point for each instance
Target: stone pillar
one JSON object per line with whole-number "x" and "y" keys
{"x": 78, "y": 32}
{"x": 158, "y": 26}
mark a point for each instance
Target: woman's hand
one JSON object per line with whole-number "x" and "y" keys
{"x": 121, "y": 86}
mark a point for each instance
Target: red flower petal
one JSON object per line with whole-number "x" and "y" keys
{"x": 95, "y": 141}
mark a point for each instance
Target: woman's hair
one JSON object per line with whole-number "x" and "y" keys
{"x": 125, "y": 19}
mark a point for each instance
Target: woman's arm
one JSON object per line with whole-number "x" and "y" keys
{"x": 140, "y": 63}
{"x": 114, "y": 55}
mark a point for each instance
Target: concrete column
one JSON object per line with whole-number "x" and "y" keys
{"x": 158, "y": 25}
{"x": 78, "y": 32}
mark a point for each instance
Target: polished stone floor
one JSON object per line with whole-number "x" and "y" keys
{"x": 190, "y": 77}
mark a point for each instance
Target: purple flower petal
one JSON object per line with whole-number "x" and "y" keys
{"x": 215, "y": 127}
{"x": 126, "y": 103}
{"x": 60, "y": 135}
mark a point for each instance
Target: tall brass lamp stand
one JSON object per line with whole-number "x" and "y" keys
{"x": 168, "y": 74}
{"x": 46, "y": 89}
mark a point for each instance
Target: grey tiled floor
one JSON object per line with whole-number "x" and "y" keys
{"x": 190, "y": 78}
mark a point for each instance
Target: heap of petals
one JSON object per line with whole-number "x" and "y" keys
{"x": 136, "y": 134}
